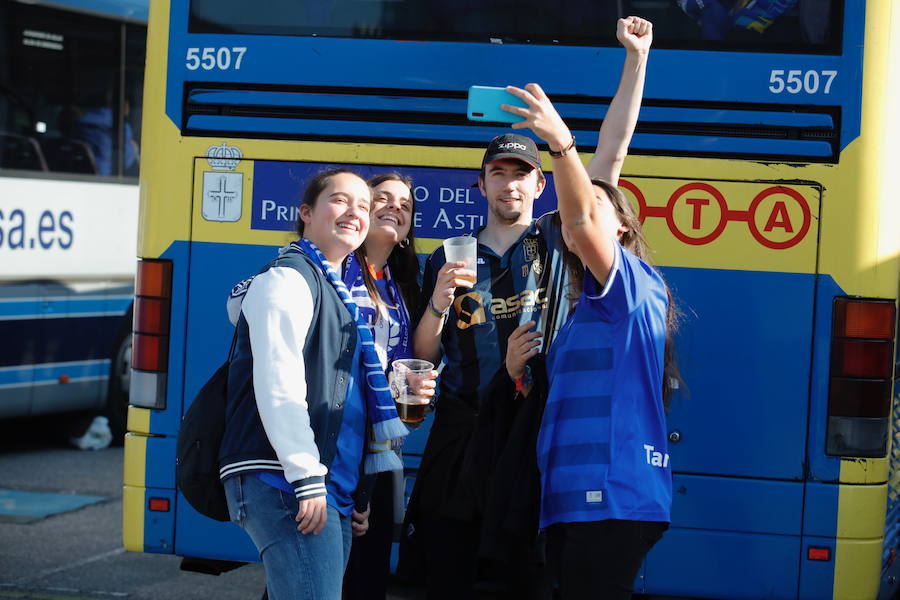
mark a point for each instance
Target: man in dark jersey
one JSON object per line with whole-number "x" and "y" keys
{"x": 520, "y": 278}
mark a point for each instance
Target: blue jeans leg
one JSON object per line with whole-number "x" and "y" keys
{"x": 298, "y": 566}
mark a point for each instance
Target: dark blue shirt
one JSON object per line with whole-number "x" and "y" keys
{"x": 526, "y": 283}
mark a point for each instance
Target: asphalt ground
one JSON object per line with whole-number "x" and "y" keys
{"x": 76, "y": 552}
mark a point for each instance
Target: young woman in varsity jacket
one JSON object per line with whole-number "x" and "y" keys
{"x": 306, "y": 408}
{"x": 606, "y": 483}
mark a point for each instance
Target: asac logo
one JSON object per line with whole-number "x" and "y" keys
{"x": 469, "y": 310}
{"x": 525, "y": 302}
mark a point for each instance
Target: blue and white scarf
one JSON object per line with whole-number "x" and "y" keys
{"x": 386, "y": 427}
{"x": 353, "y": 278}
{"x": 386, "y": 430}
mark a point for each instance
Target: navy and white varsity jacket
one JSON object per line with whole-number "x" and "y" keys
{"x": 301, "y": 403}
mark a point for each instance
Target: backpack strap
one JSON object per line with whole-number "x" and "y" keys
{"x": 233, "y": 345}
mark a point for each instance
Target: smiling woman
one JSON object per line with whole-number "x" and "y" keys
{"x": 288, "y": 425}
{"x": 334, "y": 213}
{"x": 384, "y": 290}
{"x": 390, "y": 245}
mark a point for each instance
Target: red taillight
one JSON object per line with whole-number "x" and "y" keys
{"x": 862, "y": 365}
{"x": 159, "y": 504}
{"x": 154, "y": 279}
{"x": 863, "y": 319}
{"x": 149, "y": 352}
{"x": 151, "y": 315}
{"x": 859, "y": 398}
{"x": 818, "y": 553}
{"x": 150, "y": 343}
{"x": 861, "y": 358}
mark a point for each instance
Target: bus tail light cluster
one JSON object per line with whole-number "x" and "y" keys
{"x": 150, "y": 345}
{"x": 862, "y": 364}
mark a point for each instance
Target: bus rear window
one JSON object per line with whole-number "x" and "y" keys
{"x": 807, "y": 26}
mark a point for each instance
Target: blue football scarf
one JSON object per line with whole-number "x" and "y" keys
{"x": 353, "y": 278}
{"x": 385, "y": 426}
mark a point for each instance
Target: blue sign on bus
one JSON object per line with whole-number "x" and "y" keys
{"x": 448, "y": 201}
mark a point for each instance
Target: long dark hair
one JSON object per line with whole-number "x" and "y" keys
{"x": 315, "y": 187}
{"x": 402, "y": 261}
{"x": 632, "y": 240}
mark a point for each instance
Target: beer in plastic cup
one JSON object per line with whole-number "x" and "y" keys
{"x": 410, "y": 408}
{"x": 463, "y": 248}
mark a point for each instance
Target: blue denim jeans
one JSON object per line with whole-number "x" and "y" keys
{"x": 298, "y": 566}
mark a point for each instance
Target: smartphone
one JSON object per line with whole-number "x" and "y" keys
{"x": 484, "y": 104}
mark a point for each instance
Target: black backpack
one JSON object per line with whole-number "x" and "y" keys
{"x": 197, "y": 450}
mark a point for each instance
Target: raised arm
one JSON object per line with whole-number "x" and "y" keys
{"x": 584, "y": 220}
{"x": 636, "y": 35}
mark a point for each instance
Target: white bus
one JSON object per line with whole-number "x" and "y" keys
{"x": 71, "y": 84}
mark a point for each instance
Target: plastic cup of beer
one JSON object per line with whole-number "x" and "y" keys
{"x": 406, "y": 376}
{"x": 463, "y": 248}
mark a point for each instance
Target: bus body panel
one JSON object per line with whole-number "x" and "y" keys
{"x": 159, "y": 527}
{"x": 816, "y": 577}
{"x": 199, "y": 536}
{"x": 723, "y": 564}
{"x": 273, "y": 59}
{"x": 734, "y": 504}
{"x": 743, "y": 398}
{"x": 148, "y": 478}
{"x": 820, "y": 504}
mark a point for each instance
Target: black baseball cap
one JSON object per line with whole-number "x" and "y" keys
{"x": 511, "y": 145}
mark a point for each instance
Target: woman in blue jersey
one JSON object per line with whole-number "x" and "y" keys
{"x": 306, "y": 394}
{"x": 606, "y": 482}
{"x": 383, "y": 290}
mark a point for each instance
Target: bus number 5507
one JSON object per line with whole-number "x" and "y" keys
{"x": 798, "y": 81}
{"x": 214, "y": 58}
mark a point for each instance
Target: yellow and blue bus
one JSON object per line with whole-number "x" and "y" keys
{"x": 761, "y": 169}
{"x": 71, "y": 84}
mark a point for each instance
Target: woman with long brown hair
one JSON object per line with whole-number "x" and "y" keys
{"x": 605, "y": 473}
{"x": 385, "y": 289}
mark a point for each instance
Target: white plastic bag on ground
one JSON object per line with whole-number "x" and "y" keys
{"x": 97, "y": 436}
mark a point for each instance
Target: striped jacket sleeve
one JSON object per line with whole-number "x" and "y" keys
{"x": 278, "y": 308}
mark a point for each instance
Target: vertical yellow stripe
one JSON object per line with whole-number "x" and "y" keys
{"x": 162, "y": 222}
{"x": 871, "y": 217}
{"x": 860, "y": 531}
{"x": 857, "y": 569}
{"x": 139, "y": 419}
{"x": 134, "y": 492}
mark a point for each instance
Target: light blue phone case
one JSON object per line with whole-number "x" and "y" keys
{"x": 484, "y": 104}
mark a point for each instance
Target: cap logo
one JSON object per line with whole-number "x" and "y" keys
{"x": 512, "y": 146}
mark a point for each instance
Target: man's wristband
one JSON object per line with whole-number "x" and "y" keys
{"x": 438, "y": 313}
{"x": 564, "y": 151}
{"x": 525, "y": 381}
